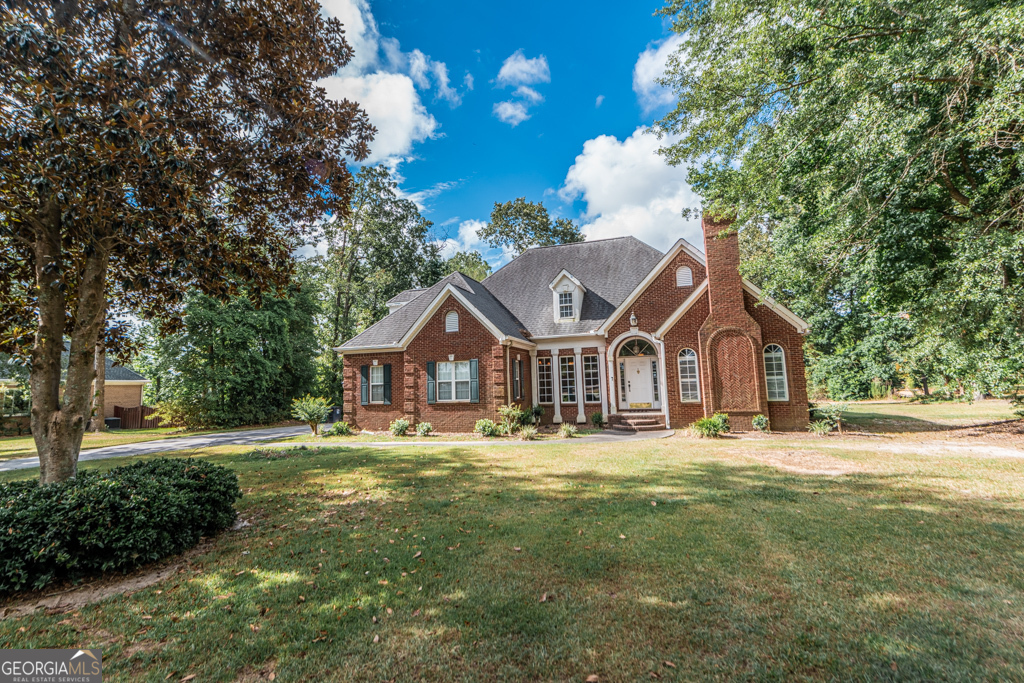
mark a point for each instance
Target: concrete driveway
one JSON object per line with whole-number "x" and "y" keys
{"x": 185, "y": 443}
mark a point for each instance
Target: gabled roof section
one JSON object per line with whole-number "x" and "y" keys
{"x": 608, "y": 269}
{"x": 566, "y": 274}
{"x": 111, "y": 373}
{"x": 801, "y": 325}
{"x": 394, "y": 331}
{"x": 649, "y": 276}
{"x": 406, "y": 296}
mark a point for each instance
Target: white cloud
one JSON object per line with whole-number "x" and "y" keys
{"x": 468, "y": 81}
{"x": 512, "y": 113}
{"x": 468, "y": 239}
{"x": 384, "y": 81}
{"x": 630, "y": 190}
{"x": 599, "y": 101}
{"x": 650, "y": 66}
{"x": 529, "y": 94}
{"x": 518, "y": 70}
{"x": 394, "y": 107}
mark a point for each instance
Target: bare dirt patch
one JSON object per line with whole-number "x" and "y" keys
{"x": 804, "y": 462}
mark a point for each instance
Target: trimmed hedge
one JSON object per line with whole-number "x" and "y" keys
{"x": 110, "y": 521}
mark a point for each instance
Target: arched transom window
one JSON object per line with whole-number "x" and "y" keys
{"x": 775, "y": 373}
{"x": 689, "y": 377}
{"x": 636, "y": 347}
{"x": 451, "y": 322}
{"x": 684, "y": 277}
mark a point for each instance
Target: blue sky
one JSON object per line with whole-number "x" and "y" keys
{"x": 484, "y": 102}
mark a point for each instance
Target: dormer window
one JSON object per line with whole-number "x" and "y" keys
{"x": 565, "y": 306}
{"x": 567, "y": 297}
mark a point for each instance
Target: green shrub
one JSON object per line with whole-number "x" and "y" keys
{"x": 399, "y": 427}
{"x": 110, "y": 521}
{"x": 722, "y": 420}
{"x": 598, "y": 420}
{"x": 878, "y": 389}
{"x": 536, "y": 413}
{"x": 568, "y": 431}
{"x": 833, "y": 414}
{"x": 528, "y": 433}
{"x": 707, "y": 427}
{"x": 487, "y": 427}
{"x": 820, "y": 427}
{"x": 760, "y": 423}
{"x": 424, "y": 429}
{"x": 312, "y": 410}
{"x": 340, "y": 429}
{"x": 512, "y": 418}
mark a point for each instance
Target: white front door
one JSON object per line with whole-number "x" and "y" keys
{"x": 639, "y": 383}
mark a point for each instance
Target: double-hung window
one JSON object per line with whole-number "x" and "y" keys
{"x": 689, "y": 380}
{"x": 565, "y": 305}
{"x": 453, "y": 381}
{"x": 567, "y": 365}
{"x": 591, "y": 380}
{"x": 545, "y": 384}
{"x": 376, "y": 384}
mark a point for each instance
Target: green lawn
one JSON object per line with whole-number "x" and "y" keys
{"x": 689, "y": 559}
{"x": 906, "y": 416}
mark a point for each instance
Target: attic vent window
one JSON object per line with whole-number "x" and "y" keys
{"x": 451, "y": 322}
{"x": 565, "y": 305}
{"x": 684, "y": 277}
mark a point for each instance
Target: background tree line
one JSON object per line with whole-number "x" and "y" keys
{"x": 243, "y": 360}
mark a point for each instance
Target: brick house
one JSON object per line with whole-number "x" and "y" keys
{"x": 612, "y": 326}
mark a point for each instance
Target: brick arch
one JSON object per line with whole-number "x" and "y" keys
{"x": 734, "y": 371}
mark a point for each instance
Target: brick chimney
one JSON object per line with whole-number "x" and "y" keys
{"x": 725, "y": 286}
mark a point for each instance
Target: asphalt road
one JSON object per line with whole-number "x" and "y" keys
{"x": 184, "y": 443}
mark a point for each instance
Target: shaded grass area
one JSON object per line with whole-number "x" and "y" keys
{"x": 916, "y": 416}
{"x": 557, "y": 562}
{"x": 24, "y": 446}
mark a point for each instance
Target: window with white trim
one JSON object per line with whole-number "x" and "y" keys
{"x": 684, "y": 277}
{"x": 565, "y": 306}
{"x": 654, "y": 379}
{"x": 689, "y": 377}
{"x": 622, "y": 381}
{"x": 775, "y": 373}
{"x": 545, "y": 385}
{"x": 451, "y": 322}
{"x": 453, "y": 381}
{"x": 567, "y": 365}
{"x": 517, "y": 380}
{"x": 591, "y": 380}
{"x": 376, "y": 384}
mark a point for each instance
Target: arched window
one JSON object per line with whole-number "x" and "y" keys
{"x": 684, "y": 277}
{"x": 636, "y": 347}
{"x": 689, "y": 377}
{"x": 451, "y": 322}
{"x": 775, "y": 373}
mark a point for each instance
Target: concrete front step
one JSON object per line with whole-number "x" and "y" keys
{"x": 627, "y": 427}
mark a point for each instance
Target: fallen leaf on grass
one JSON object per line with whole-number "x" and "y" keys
{"x": 517, "y": 549}
{"x": 669, "y": 664}
{"x": 622, "y": 535}
{"x": 187, "y": 678}
{"x": 592, "y": 678}
{"x": 418, "y": 553}
{"x": 546, "y": 598}
{"x": 376, "y": 639}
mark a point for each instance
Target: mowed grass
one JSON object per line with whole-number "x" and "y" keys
{"x": 687, "y": 559}
{"x": 907, "y": 416}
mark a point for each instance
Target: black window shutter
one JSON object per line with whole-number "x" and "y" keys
{"x": 474, "y": 381}
{"x": 364, "y": 385}
{"x": 431, "y": 382}
{"x": 387, "y": 384}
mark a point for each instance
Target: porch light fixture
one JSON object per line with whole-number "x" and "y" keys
{"x": 632, "y": 319}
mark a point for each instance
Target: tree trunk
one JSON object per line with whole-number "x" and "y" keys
{"x": 58, "y": 422}
{"x": 98, "y": 407}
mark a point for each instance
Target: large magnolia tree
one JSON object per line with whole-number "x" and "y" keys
{"x": 149, "y": 149}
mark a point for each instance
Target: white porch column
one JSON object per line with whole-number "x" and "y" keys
{"x": 601, "y": 371}
{"x": 613, "y": 388}
{"x": 581, "y": 415}
{"x": 556, "y": 389}
{"x": 534, "y": 378}
{"x": 663, "y": 382}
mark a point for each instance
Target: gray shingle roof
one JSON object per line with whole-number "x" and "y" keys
{"x": 406, "y": 296}
{"x": 609, "y": 269}
{"x": 113, "y": 373}
{"x": 390, "y": 329}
